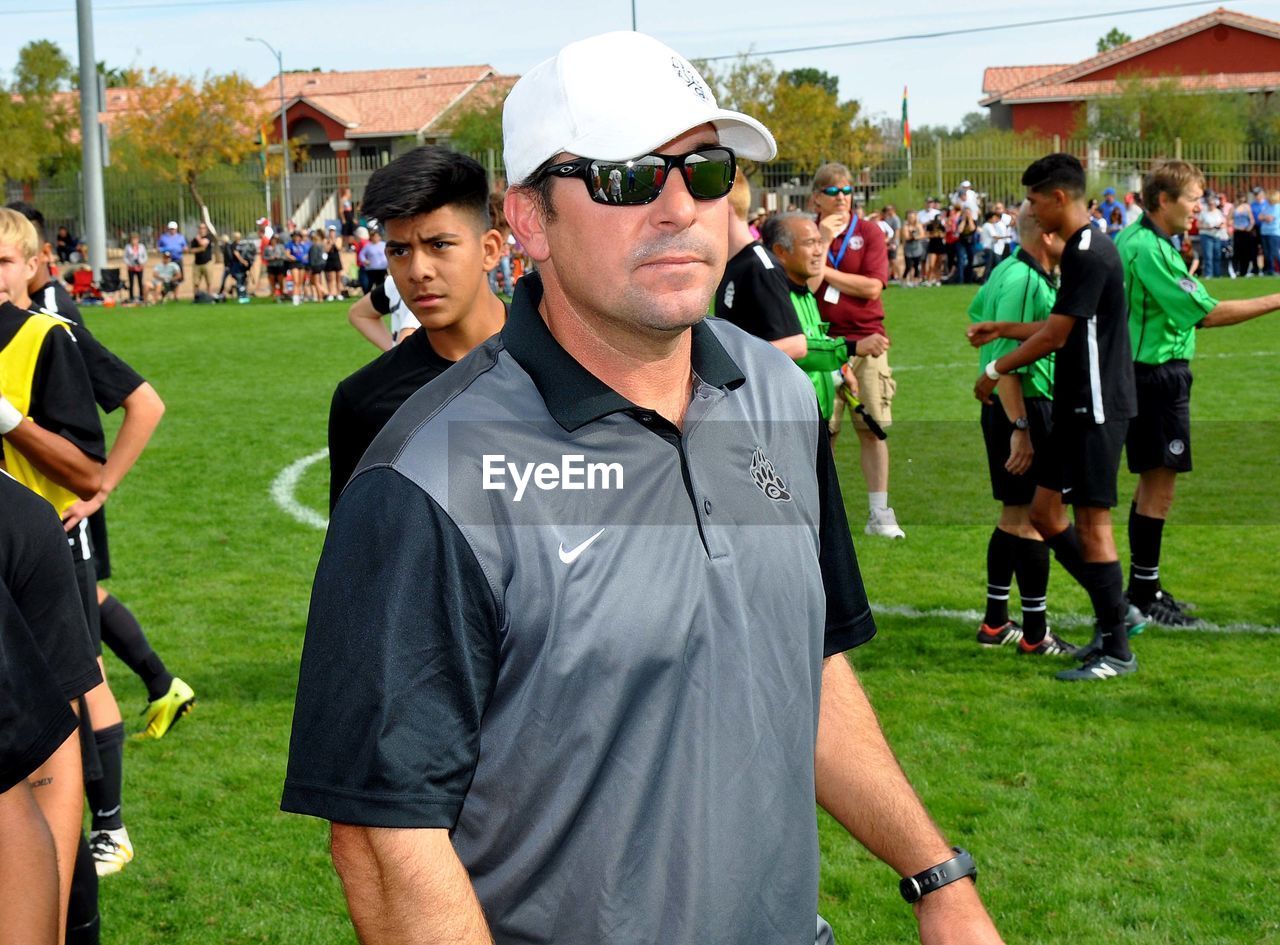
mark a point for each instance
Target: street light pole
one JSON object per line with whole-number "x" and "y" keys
{"x": 284, "y": 131}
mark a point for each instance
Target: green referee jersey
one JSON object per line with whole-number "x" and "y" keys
{"x": 1166, "y": 304}
{"x": 1019, "y": 290}
{"x": 826, "y": 354}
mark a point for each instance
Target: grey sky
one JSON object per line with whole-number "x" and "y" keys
{"x": 944, "y": 74}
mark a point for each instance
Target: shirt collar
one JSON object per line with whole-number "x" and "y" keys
{"x": 573, "y": 395}
{"x": 1150, "y": 224}
{"x": 1031, "y": 261}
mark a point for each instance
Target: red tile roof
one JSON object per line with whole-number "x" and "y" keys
{"x": 381, "y": 102}
{"x": 1064, "y": 82}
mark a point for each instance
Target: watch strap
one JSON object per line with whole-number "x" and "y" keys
{"x": 914, "y": 888}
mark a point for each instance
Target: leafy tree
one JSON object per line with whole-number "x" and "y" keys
{"x": 812, "y": 126}
{"x": 1158, "y": 110}
{"x": 117, "y": 77}
{"x": 182, "y": 127}
{"x": 37, "y": 123}
{"x": 1113, "y": 39}
{"x": 478, "y": 129}
{"x": 810, "y": 76}
{"x": 747, "y": 85}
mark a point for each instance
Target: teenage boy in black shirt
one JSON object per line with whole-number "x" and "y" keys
{"x": 1094, "y": 398}
{"x": 433, "y": 205}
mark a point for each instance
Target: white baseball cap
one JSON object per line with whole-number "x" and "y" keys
{"x": 615, "y": 96}
{"x": 173, "y": 225}
{"x": 964, "y": 185}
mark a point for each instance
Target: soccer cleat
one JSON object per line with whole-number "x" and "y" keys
{"x": 110, "y": 849}
{"x": 884, "y": 523}
{"x": 1100, "y": 666}
{"x": 1011, "y": 632}
{"x": 163, "y": 713}
{"x": 1051, "y": 645}
{"x": 1167, "y": 612}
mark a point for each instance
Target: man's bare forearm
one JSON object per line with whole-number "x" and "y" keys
{"x": 142, "y": 412}
{"x": 1009, "y": 387}
{"x": 407, "y": 886}
{"x": 860, "y": 783}
{"x": 365, "y": 319}
{"x": 1235, "y": 311}
{"x": 58, "y": 458}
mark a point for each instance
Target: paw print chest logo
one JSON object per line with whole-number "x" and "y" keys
{"x": 764, "y": 476}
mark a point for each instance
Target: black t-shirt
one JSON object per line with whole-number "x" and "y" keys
{"x": 1093, "y": 373}
{"x": 365, "y": 401}
{"x": 62, "y": 396}
{"x": 753, "y": 294}
{"x": 36, "y": 567}
{"x": 34, "y": 717}
{"x": 56, "y": 300}
{"x": 204, "y": 254}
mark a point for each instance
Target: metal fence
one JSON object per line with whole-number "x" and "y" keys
{"x": 237, "y": 196}
{"x": 995, "y": 168}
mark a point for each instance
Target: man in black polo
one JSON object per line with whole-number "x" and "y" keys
{"x": 433, "y": 204}
{"x": 1167, "y": 306}
{"x": 1093, "y": 401}
{"x": 576, "y": 630}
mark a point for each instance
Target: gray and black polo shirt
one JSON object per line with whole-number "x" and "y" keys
{"x": 605, "y": 681}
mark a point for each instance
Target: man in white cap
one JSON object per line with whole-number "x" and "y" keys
{"x": 967, "y": 197}
{"x": 583, "y": 707}
{"x": 174, "y": 244}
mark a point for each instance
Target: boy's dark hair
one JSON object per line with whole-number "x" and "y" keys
{"x": 423, "y": 181}
{"x": 1056, "y": 172}
{"x": 32, "y": 214}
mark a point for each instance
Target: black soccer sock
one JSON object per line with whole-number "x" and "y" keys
{"x": 1145, "y": 534}
{"x": 83, "y": 923}
{"x": 1066, "y": 548}
{"x": 104, "y": 793}
{"x": 1106, "y": 590}
{"x": 1000, "y": 551}
{"x": 1031, "y": 563}
{"x": 122, "y": 632}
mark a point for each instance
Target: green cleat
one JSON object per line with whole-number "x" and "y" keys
{"x": 163, "y": 713}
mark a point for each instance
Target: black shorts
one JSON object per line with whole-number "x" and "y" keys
{"x": 87, "y": 580}
{"x": 98, "y": 539}
{"x": 348, "y": 228}
{"x": 35, "y": 717}
{"x": 1160, "y": 435}
{"x": 333, "y": 263}
{"x": 936, "y": 246}
{"x": 277, "y": 268}
{"x": 1084, "y": 460}
{"x": 996, "y": 431}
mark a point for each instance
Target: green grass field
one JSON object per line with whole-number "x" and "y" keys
{"x": 1139, "y": 811}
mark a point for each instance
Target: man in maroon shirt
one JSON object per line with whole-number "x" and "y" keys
{"x": 848, "y": 291}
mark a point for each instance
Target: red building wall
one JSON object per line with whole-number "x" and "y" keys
{"x": 1217, "y": 49}
{"x": 1048, "y": 118}
{"x": 300, "y": 110}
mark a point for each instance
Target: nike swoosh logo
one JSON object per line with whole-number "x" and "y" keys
{"x": 571, "y": 555}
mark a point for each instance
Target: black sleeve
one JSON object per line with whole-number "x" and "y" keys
{"x": 775, "y": 315}
{"x": 62, "y": 395}
{"x": 849, "y": 619}
{"x": 34, "y": 717}
{"x": 378, "y": 297}
{"x": 112, "y": 379}
{"x": 398, "y": 666}
{"x": 36, "y": 567}
{"x": 1083, "y": 278}
{"x": 346, "y": 444}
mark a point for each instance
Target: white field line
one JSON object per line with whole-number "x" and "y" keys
{"x": 1060, "y": 620}
{"x": 973, "y": 365}
{"x": 285, "y": 484}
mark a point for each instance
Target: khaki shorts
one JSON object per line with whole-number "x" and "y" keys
{"x": 202, "y": 272}
{"x": 876, "y": 387}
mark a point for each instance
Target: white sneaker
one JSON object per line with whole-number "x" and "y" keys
{"x": 111, "y": 850}
{"x": 884, "y": 523}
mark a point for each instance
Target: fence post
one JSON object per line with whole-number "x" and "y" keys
{"x": 1177, "y": 148}
{"x": 1057, "y": 143}
{"x": 937, "y": 143}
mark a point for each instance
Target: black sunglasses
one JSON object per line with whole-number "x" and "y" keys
{"x": 835, "y": 191}
{"x": 708, "y": 173}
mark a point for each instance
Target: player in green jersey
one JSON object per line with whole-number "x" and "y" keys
{"x": 1018, "y": 296}
{"x": 1166, "y": 306}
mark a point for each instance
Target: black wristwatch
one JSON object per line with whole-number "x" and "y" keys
{"x": 916, "y": 887}
{"x": 1021, "y": 424}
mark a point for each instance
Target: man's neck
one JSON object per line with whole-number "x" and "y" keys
{"x": 483, "y": 322}
{"x": 1075, "y": 217}
{"x": 1158, "y": 219}
{"x": 739, "y": 235}
{"x": 650, "y": 368}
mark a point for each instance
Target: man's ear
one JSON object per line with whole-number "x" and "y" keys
{"x": 528, "y": 222}
{"x": 491, "y": 242}
{"x": 46, "y": 254}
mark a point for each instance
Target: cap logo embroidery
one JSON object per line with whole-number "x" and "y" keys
{"x": 691, "y": 79}
{"x": 728, "y": 295}
{"x": 770, "y": 483}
